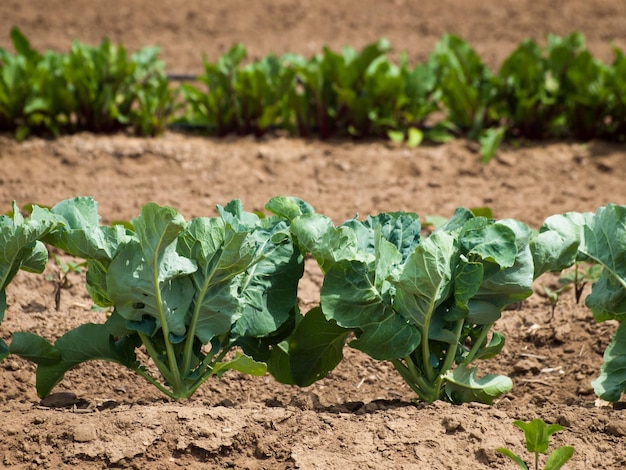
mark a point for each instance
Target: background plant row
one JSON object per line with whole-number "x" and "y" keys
{"x": 193, "y": 293}
{"x": 556, "y": 91}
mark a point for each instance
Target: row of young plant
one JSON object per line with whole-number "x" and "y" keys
{"x": 556, "y": 91}
{"x": 218, "y": 293}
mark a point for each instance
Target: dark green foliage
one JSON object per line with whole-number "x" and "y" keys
{"x": 97, "y": 89}
{"x": 556, "y": 91}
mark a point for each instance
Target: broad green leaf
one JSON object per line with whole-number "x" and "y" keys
{"x": 310, "y": 352}
{"x": 221, "y": 254}
{"x": 268, "y": 288}
{"x": 34, "y": 348}
{"x": 139, "y": 288}
{"x": 426, "y": 278}
{"x": 462, "y": 385}
{"x": 492, "y": 242}
{"x": 35, "y": 261}
{"x": 604, "y": 241}
{"x": 559, "y": 457}
{"x": 467, "y": 281}
{"x": 460, "y": 217}
{"x": 402, "y": 229}
{"x": 351, "y": 297}
{"x": 82, "y": 235}
{"x": 316, "y": 234}
{"x": 537, "y": 434}
{"x": 241, "y": 363}
{"x": 288, "y": 207}
{"x": 483, "y": 313}
{"x": 555, "y": 247}
{"x": 506, "y": 283}
{"x": 147, "y": 277}
{"x": 85, "y": 343}
{"x": 612, "y": 380}
{"x": 20, "y": 247}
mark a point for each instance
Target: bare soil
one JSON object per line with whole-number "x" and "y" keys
{"x": 362, "y": 415}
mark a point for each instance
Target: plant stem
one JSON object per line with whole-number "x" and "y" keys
{"x": 413, "y": 379}
{"x": 428, "y": 368}
{"x": 477, "y": 344}
{"x": 154, "y": 354}
{"x": 191, "y": 333}
{"x": 450, "y": 356}
{"x": 157, "y": 384}
{"x": 176, "y": 382}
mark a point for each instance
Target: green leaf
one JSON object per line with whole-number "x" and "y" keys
{"x": 514, "y": 457}
{"x": 505, "y": 283}
{"x": 462, "y": 385}
{"x": 22, "y": 45}
{"x": 559, "y": 457}
{"x": 316, "y": 234}
{"x": 85, "y": 343}
{"x": 81, "y": 234}
{"x": 414, "y": 137}
{"x": 148, "y": 277}
{"x": 612, "y": 380}
{"x": 493, "y": 348}
{"x": 289, "y": 207}
{"x": 426, "y": 278}
{"x": 555, "y": 247}
{"x": 401, "y": 229}
{"x": 537, "y": 434}
{"x": 396, "y": 136}
{"x": 310, "y": 352}
{"x": 34, "y": 348}
{"x": 140, "y": 287}
{"x": 490, "y": 140}
{"x": 604, "y": 241}
{"x": 221, "y": 254}
{"x": 269, "y": 287}
{"x": 241, "y": 363}
{"x": 20, "y": 246}
{"x": 350, "y": 296}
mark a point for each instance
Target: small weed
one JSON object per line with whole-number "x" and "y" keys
{"x": 537, "y": 434}
{"x": 60, "y": 277}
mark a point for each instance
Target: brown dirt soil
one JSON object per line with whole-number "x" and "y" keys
{"x": 362, "y": 415}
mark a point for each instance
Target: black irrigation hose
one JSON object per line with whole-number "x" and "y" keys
{"x": 181, "y": 77}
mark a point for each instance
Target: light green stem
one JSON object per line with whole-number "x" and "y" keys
{"x": 154, "y": 354}
{"x": 450, "y": 356}
{"x": 176, "y": 381}
{"x": 480, "y": 341}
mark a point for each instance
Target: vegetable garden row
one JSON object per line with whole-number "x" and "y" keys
{"x": 216, "y": 293}
{"x": 556, "y": 91}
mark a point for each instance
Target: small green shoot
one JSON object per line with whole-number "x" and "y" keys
{"x": 60, "y": 278}
{"x": 553, "y": 296}
{"x": 537, "y": 434}
{"x": 579, "y": 276}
